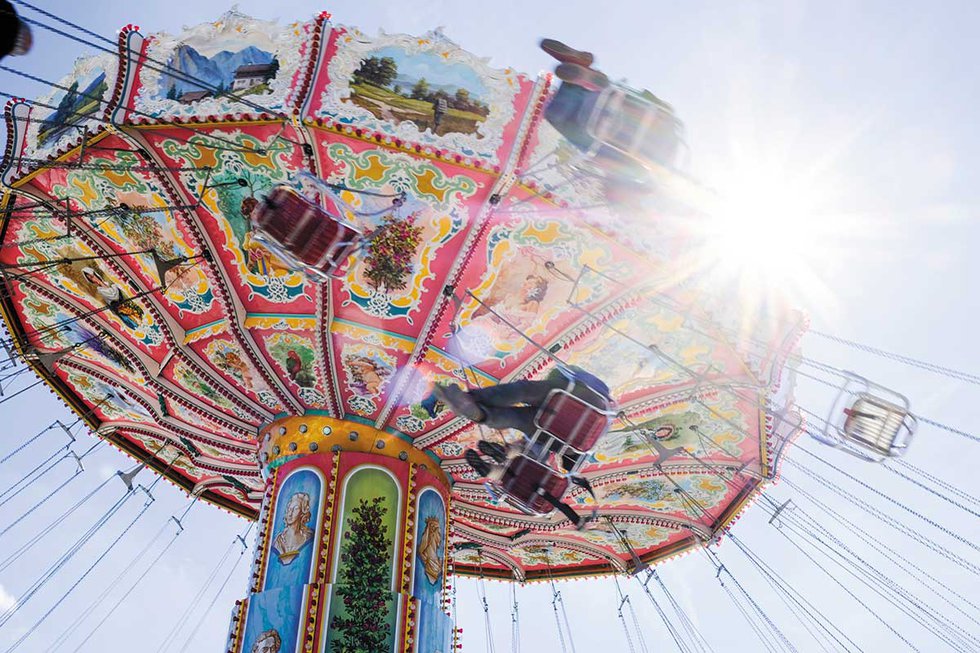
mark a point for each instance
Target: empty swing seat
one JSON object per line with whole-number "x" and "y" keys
{"x": 304, "y": 234}
{"x": 869, "y": 421}
{"x": 525, "y": 481}
{"x": 876, "y": 424}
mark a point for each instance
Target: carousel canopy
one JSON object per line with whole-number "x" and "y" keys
{"x": 137, "y": 289}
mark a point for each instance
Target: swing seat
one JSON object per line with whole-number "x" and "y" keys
{"x": 569, "y": 424}
{"x": 636, "y": 125}
{"x": 304, "y": 234}
{"x": 524, "y": 483}
{"x": 870, "y": 421}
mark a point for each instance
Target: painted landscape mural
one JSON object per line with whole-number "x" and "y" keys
{"x": 245, "y": 72}
{"x": 395, "y": 85}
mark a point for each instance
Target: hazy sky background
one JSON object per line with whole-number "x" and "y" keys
{"x": 871, "y": 106}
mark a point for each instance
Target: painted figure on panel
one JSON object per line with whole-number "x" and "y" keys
{"x": 296, "y": 532}
{"x": 113, "y": 297}
{"x": 269, "y": 641}
{"x": 367, "y": 374}
{"x": 429, "y": 549}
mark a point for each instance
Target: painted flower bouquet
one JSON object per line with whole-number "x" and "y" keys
{"x": 391, "y": 252}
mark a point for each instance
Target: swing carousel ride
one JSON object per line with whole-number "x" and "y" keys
{"x": 245, "y": 255}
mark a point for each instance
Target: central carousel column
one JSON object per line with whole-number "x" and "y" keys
{"x": 351, "y": 544}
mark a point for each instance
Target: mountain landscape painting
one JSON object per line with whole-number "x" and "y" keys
{"x": 195, "y": 76}
{"x": 73, "y": 107}
{"x": 395, "y": 85}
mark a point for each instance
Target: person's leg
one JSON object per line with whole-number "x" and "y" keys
{"x": 588, "y": 78}
{"x": 568, "y": 112}
{"x": 510, "y": 417}
{"x": 532, "y": 393}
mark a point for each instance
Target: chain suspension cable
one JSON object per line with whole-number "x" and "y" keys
{"x": 69, "y": 553}
{"x": 801, "y": 614}
{"x": 50, "y": 528}
{"x": 931, "y": 367}
{"x": 847, "y": 590}
{"x": 171, "y": 636}
{"x": 759, "y": 632}
{"x": 21, "y": 391}
{"x": 515, "y": 621}
{"x": 674, "y": 635}
{"x": 780, "y": 636}
{"x": 40, "y": 503}
{"x": 952, "y": 489}
{"x": 878, "y": 582}
{"x": 899, "y": 560}
{"x": 217, "y": 595}
{"x": 31, "y": 441}
{"x": 893, "y": 501}
{"x": 891, "y": 521}
{"x": 947, "y": 428}
{"x": 38, "y": 472}
{"x": 37, "y": 624}
{"x": 104, "y": 594}
{"x": 137, "y": 583}
{"x": 692, "y": 630}
{"x": 931, "y": 491}
{"x": 561, "y": 618}
{"x": 481, "y": 591}
{"x": 637, "y": 633}
{"x": 34, "y": 475}
{"x": 810, "y": 610}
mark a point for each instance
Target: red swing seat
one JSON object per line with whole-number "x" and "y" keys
{"x": 524, "y": 483}
{"x": 304, "y": 234}
{"x": 570, "y": 422}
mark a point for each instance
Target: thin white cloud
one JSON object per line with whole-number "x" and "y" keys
{"x": 7, "y": 599}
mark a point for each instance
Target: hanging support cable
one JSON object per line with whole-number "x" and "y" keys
{"x": 515, "y": 621}
{"x": 69, "y": 553}
{"x": 136, "y": 583}
{"x": 671, "y": 630}
{"x": 637, "y": 631}
{"x": 482, "y": 593}
{"x": 37, "y": 624}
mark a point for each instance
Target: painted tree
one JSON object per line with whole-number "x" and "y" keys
{"x": 378, "y": 71}
{"x": 421, "y": 89}
{"x": 365, "y": 579}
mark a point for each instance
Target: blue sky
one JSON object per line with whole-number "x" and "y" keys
{"x": 872, "y": 105}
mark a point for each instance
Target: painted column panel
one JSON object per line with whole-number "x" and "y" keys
{"x": 351, "y": 544}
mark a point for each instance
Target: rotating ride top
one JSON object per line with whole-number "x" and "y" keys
{"x": 247, "y": 254}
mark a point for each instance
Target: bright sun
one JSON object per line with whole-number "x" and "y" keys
{"x": 764, "y": 234}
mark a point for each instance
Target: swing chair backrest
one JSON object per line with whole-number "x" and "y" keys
{"x": 304, "y": 234}
{"x": 883, "y": 427}
{"x": 577, "y": 416}
{"x": 525, "y": 480}
{"x": 635, "y": 125}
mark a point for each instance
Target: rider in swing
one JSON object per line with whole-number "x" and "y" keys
{"x": 517, "y": 405}
{"x": 570, "y": 111}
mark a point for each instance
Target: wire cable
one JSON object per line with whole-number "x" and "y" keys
{"x": 139, "y": 580}
{"x": 37, "y": 624}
